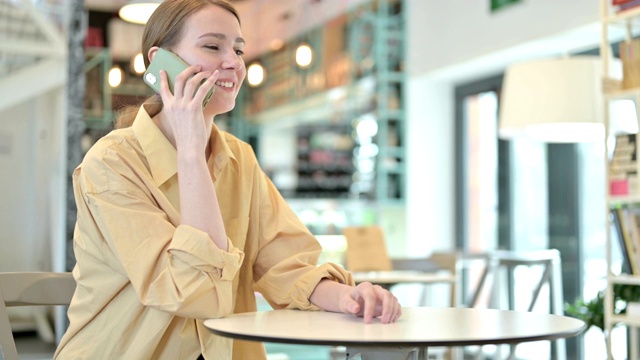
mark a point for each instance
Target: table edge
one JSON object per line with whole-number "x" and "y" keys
{"x": 270, "y": 339}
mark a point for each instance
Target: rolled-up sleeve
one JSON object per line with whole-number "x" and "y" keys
{"x": 187, "y": 245}
{"x": 302, "y": 289}
{"x": 286, "y": 266}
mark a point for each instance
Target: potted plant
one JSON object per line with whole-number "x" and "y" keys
{"x": 592, "y": 312}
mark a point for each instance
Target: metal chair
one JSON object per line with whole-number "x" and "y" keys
{"x": 503, "y": 263}
{"x": 29, "y": 289}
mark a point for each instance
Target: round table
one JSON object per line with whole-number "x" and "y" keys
{"x": 417, "y": 327}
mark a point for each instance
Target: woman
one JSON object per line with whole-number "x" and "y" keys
{"x": 177, "y": 223}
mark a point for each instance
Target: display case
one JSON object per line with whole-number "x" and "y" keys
{"x": 324, "y": 161}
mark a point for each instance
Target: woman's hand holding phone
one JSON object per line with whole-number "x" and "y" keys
{"x": 173, "y": 64}
{"x": 183, "y": 107}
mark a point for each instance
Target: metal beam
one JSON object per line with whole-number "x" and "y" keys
{"x": 47, "y": 28}
{"x": 32, "y": 81}
{"x": 31, "y": 47}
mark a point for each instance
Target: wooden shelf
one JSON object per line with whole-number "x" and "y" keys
{"x": 624, "y": 279}
{"x": 624, "y": 16}
{"x": 615, "y": 201}
{"x": 627, "y": 320}
{"x": 623, "y": 94}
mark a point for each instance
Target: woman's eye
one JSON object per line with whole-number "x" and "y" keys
{"x": 212, "y": 47}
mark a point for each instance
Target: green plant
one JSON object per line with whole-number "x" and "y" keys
{"x": 592, "y": 311}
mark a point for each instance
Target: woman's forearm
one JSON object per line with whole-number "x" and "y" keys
{"x": 327, "y": 295}
{"x": 198, "y": 201}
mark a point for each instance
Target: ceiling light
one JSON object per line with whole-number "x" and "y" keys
{"x": 255, "y": 74}
{"x": 304, "y": 55}
{"x": 138, "y": 11}
{"x": 276, "y": 44}
{"x": 137, "y": 64}
{"x": 115, "y": 76}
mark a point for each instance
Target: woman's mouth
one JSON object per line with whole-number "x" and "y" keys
{"x": 225, "y": 84}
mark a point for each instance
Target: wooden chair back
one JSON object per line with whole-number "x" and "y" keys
{"x": 29, "y": 289}
{"x": 366, "y": 249}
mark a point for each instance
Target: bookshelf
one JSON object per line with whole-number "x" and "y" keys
{"x": 619, "y": 24}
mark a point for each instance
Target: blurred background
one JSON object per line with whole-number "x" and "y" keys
{"x": 363, "y": 112}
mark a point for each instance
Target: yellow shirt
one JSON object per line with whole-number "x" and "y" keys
{"x": 146, "y": 283}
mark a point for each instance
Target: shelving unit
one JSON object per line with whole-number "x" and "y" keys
{"x": 623, "y": 25}
{"x": 101, "y": 100}
{"x": 387, "y": 51}
{"x": 98, "y": 101}
{"x": 357, "y": 75}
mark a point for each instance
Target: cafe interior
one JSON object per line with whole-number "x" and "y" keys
{"x": 464, "y": 138}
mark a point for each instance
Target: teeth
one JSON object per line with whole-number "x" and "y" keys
{"x": 226, "y": 84}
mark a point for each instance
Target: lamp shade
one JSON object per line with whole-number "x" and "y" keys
{"x": 556, "y": 100}
{"x": 138, "y": 11}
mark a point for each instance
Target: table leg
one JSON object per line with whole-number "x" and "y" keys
{"x": 386, "y": 353}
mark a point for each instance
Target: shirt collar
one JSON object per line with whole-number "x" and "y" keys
{"x": 161, "y": 154}
{"x": 220, "y": 151}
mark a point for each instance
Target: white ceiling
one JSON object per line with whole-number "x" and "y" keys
{"x": 266, "y": 22}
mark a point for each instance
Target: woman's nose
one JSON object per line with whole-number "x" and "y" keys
{"x": 231, "y": 61}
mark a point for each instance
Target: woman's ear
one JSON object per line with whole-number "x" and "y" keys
{"x": 152, "y": 53}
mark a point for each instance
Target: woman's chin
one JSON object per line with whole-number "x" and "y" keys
{"x": 213, "y": 109}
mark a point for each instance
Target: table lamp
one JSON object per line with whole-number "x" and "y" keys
{"x": 553, "y": 100}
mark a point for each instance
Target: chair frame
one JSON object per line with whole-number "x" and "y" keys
{"x": 29, "y": 289}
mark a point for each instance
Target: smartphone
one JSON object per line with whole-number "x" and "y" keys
{"x": 173, "y": 65}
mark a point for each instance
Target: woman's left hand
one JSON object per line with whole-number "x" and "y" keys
{"x": 369, "y": 301}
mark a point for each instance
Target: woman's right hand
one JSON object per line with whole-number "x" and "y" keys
{"x": 183, "y": 108}
{"x": 182, "y": 112}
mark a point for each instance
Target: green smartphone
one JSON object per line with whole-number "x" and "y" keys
{"x": 173, "y": 65}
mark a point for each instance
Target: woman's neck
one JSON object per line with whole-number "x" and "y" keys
{"x": 161, "y": 122}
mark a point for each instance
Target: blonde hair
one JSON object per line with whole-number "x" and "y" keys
{"x": 164, "y": 29}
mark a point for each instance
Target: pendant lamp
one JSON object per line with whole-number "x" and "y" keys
{"x": 554, "y": 100}
{"x": 138, "y": 11}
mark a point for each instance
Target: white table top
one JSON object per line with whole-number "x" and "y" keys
{"x": 419, "y": 326}
{"x": 403, "y": 276}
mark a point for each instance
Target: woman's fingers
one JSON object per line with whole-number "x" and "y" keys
{"x": 164, "y": 86}
{"x": 180, "y": 83}
{"x": 367, "y": 298}
{"x": 183, "y": 107}
{"x": 190, "y": 85}
{"x": 375, "y": 301}
{"x": 206, "y": 82}
{"x": 390, "y": 307}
